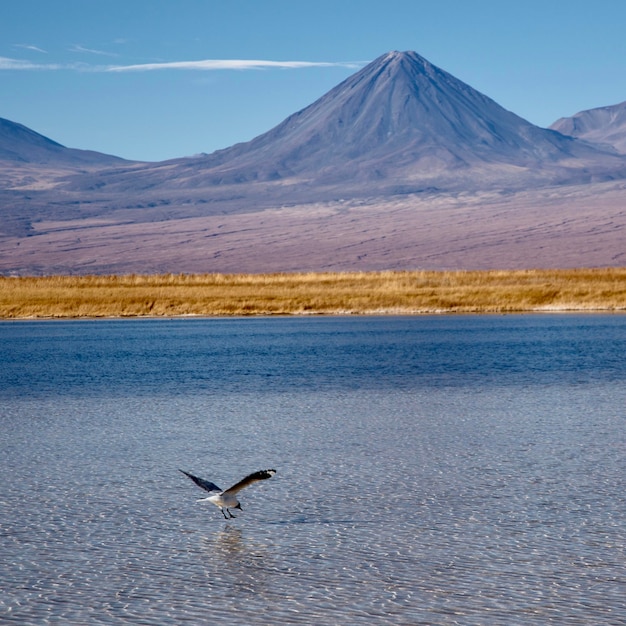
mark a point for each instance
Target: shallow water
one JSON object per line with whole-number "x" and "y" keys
{"x": 431, "y": 470}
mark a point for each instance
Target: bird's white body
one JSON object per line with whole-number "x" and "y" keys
{"x": 226, "y": 499}
{"x": 222, "y": 500}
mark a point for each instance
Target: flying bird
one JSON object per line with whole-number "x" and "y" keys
{"x": 226, "y": 499}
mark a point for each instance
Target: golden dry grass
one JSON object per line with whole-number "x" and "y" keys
{"x": 403, "y": 292}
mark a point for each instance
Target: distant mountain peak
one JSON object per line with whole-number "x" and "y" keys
{"x": 23, "y": 145}
{"x": 603, "y": 125}
{"x": 19, "y": 143}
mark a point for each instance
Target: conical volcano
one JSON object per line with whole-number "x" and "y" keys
{"x": 404, "y": 122}
{"x": 398, "y": 111}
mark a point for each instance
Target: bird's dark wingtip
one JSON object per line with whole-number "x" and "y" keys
{"x": 265, "y": 473}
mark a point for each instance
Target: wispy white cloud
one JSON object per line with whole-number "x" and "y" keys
{"x": 227, "y": 64}
{"x": 19, "y": 64}
{"x": 78, "y": 48}
{"x": 26, "y": 46}
{"x": 7, "y": 63}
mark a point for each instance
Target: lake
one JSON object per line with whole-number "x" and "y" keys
{"x": 430, "y": 470}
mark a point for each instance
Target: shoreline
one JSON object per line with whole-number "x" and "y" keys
{"x": 421, "y": 313}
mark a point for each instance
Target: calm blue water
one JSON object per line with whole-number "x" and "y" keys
{"x": 431, "y": 470}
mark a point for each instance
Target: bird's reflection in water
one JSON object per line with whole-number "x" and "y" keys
{"x": 239, "y": 565}
{"x": 225, "y": 543}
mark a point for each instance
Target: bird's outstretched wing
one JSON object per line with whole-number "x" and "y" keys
{"x": 205, "y": 484}
{"x": 252, "y": 478}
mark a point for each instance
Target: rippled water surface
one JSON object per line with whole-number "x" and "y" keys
{"x": 431, "y": 470}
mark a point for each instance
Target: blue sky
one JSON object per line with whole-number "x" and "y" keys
{"x": 157, "y": 79}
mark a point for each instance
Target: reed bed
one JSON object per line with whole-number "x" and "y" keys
{"x": 342, "y": 293}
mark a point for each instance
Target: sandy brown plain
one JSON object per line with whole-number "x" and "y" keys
{"x": 332, "y": 293}
{"x": 565, "y": 227}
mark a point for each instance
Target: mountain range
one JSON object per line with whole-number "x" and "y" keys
{"x": 400, "y": 166}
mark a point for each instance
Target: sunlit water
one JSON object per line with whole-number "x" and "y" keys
{"x": 431, "y": 470}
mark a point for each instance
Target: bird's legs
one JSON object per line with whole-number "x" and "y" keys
{"x": 229, "y": 516}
